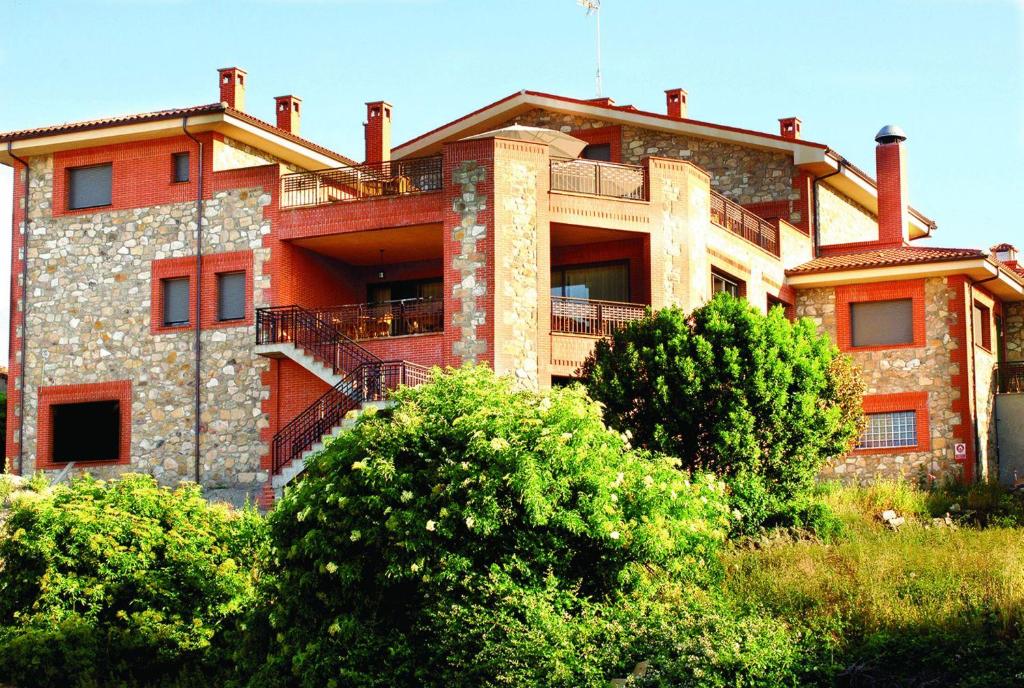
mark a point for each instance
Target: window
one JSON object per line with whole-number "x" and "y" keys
{"x": 724, "y": 283}
{"x": 889, "y": 430}
{"x": 598, "y": 151}
{"x": 179, "y": 167}
{"x": 409, "y": 289}
{"x": 608, "y": 282}
{"x": 231, "y": 296}
{"x": 89, "y": 431}
{"x": 176, "y": 302}
{"x": 982, "y": 326}
{"x": 882, "y": 323}
{"x": 89, "y": 187}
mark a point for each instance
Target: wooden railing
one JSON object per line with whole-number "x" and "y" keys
{"x": 1010, "y": 377}
{"x": 386, "y": 318}
{"x": 392, "y": 178}
{"x": 598, "y": 178}
{"x": 738, "y": 220}
{"x": 592, "y": 317}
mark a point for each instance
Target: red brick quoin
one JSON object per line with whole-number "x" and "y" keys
{"x": 213, "y": 264}
{"x": 882, "y": 291}
{"x": 901, "y": 401}
{"x": 120, "y": 390}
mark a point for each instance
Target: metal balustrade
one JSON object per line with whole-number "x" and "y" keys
{"x": 373, "y": 180}
{"x": 386, "y": 318}
{"x": 599, "y": 178}
{"x": 592, "y": 317}
{"x": 1010, "y": 377}
{"x": 738, "y": 220}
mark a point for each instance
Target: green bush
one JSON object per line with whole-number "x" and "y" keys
{"x": 121, "y": 581}
{"x": 753, "y": 397}
{"x": 475, "y": 535}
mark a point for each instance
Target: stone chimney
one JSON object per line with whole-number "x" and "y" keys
{"x": 890, "y": 170}
{"x": 789, "y": 127}
{"x": 232, "y": 87}
{"x": 288, "y": 113}
{"x": 675, "y": 102}
{"x": 378, "y": 131}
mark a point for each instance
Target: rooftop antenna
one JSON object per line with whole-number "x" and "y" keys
{"x": 595, "y": 7}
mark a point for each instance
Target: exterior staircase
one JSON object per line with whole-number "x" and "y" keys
{"x": 359, "y": 380}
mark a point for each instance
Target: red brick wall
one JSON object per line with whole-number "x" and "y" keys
{"x": 120, "y": 391}
{"x": 16, "y": 319}
{"x": 890, "y": 162}
{"x": 879, "y": 291}
{"x": 633, "y": 251}
{"x": 611, "y": 135}
{"x": 424, "y": 349}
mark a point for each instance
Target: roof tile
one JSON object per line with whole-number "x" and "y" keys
{"x": 886, "y": 257}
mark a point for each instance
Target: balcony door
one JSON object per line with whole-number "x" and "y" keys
{"x": 602, "y": 282}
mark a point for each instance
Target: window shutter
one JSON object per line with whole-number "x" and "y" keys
{"x": 176, "y": 301}
{"x": 882, "y": 323}
{"x": 89, "y": 187}
{"x": 231, "y": 296}
{"x": 181, "y": 172}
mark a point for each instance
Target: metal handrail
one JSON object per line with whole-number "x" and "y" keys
{"x": 1010, "y": 377}
{"x": 738, "y": 220}
{"x": 382, "y": 319}
{"x": 372, "y": 180}
{"x": 369, "y": 382}
{"x": 307, "y": 330}
{"x": 592, "y": 316}
{"x": 599, "y": 178}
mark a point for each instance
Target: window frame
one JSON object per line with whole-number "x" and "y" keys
{"x": 164, "y": 281}
{"x": 589, "y": 266}
{"x": 60, "y": 395}
{"x": 896, "y": 403}
{"x": 879, "y": 291}
{"x": 69, "y": 190}
{"x": 741, "y": 285}
{"x": 855, "y": 325}
{"x": 910, "y": 414}
{"x": 985, "y": 325}
{"x": 245, "y": 298}
{"x": 175, "y": 157}
{"x": 212, "y": 265}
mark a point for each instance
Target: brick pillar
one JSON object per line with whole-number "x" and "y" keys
{"x": 232, "y": 87}
{"x": 893, "y": 219}
{"x": 468, "y": 235}
{"x": 377, "y": 131}
{"x": 288, "y": 113}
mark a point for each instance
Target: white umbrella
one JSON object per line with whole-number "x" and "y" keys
{"x": 560, "y": 145}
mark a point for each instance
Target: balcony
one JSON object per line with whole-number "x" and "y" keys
{"x": 740, "y": 221}
{"x": 597, "y": 178}
{"x": 386, "y": 319}
{"x": 591, "y": 317}
{"x": 377, "y": 180}
{"x": 1010, "y": 377}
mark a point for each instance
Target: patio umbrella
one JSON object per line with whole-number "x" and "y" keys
{"x": 560, "y": 145}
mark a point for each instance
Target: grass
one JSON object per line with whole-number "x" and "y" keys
{"x": 922, "y": 606}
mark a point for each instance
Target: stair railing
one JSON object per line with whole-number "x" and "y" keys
{"x": 305, "y": 329}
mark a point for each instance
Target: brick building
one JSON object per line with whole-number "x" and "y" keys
{"x": 199, "y": 294}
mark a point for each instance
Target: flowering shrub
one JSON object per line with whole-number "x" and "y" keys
{"x": 470, "y": 497}
{"x": 122, "y": 581}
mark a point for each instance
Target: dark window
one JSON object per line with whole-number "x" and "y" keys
{"x": 89, "y": 187}
{"x": 409, "y": 289}
{"x": 608, "y": 282}
{"x": 598, "y": 151}
{"x": 231, "y": 296}
{"x": 90, "y": 431}
{"x": 889, "y": 430}
{"x": 882, "y": 323}
{"x": 180, "y": 167}
{"x": 982, "y": 326}
{"x": 727, "y": 284}
{"x": 175, "y": 301}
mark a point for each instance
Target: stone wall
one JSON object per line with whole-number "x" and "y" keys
{"x": 744, "y": 174}
{"x": 469, "y": 314}
{"x": 89, "y": 321}
{"x": 1013, "y": 331}
{"x": 229, "y": 154}
{"x": 843, "y": 220}
{"x": 918, "y": 369}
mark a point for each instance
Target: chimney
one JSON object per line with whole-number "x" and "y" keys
{"x": 232, "y": 87}
{"x": 378, "y": 131}
{"x": 1005, "y": 254}
{"x": 288, "y": 113}
{"x": 675, "y": 101}
{"x": 890, "y": 170}
{"x": 789, "y": 127}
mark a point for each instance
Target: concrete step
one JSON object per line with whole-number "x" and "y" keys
{"x": 303, "y": 358}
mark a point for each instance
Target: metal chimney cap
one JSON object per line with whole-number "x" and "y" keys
{"x": 890, "y": 133}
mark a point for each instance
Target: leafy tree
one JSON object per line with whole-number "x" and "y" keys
{"x": 470, "y": 523}
{"x": 105, "y": 583}
{"x": 753, "y": 397}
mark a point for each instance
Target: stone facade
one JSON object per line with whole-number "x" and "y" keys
{"x": 843, "y": 220}
{"x": 89, "y": 321}
{"x": 744, "y": 174}
{"x": 917, "y": 369}
{"x": 469, "y": 262}
{"x": 1013, "y": 331}
{"x": 519, "y": 263}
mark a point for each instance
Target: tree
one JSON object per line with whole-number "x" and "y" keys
{"x": 752, "y": 397}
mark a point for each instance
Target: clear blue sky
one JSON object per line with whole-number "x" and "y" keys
{"x": 948, "y": 71}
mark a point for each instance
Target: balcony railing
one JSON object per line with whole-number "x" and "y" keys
{"x": 392, "y": 178}
{"x": 592, "y": 317}
{"x": 739, "y": 220}
{"x": 1010, "y": 375}
{"x": 387, "y": 318}
{"x": 598, "y": 178}
{"x": 305, "y": 329}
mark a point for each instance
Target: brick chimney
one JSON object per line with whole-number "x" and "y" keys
{"x": 890, "y": 170}
{"x": 789, "y": 127}
{"x": 1005, "y": 254}
{"x": 288, "y": 113}
{"x": 232, "y": 87}
{"x": 675, "y": 102}
{"x": 378, "y": 131}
